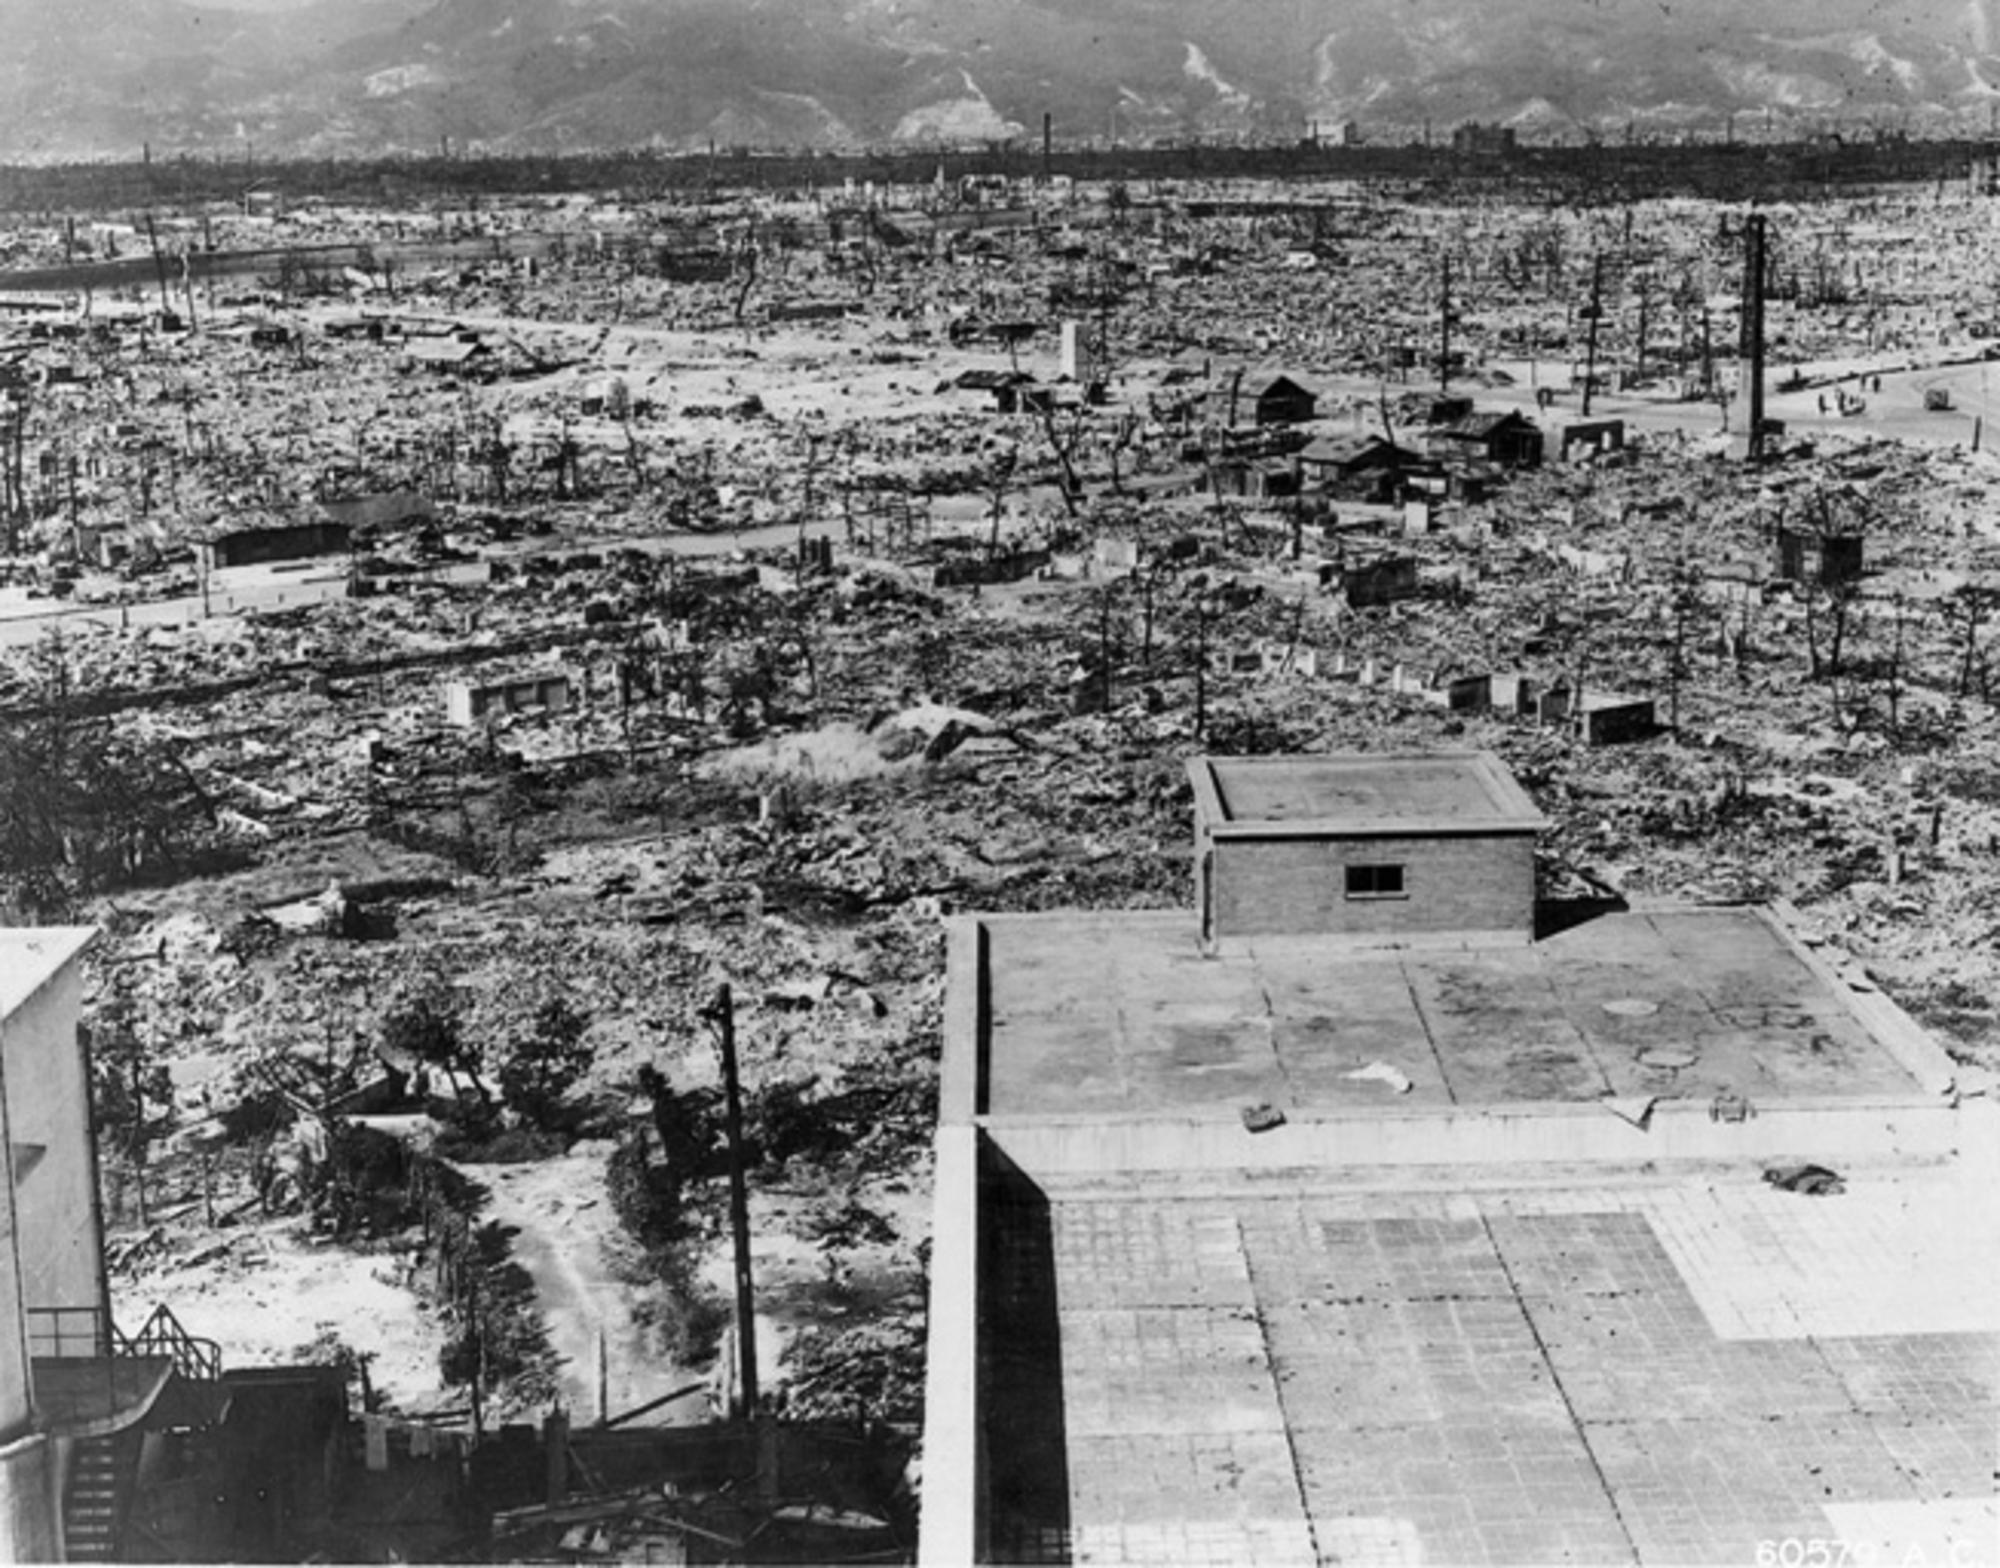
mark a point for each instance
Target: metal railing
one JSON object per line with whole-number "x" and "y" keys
{"x": 162, "y": 1335}
{"x": 77, "y": 1334}
{"x": 87, "y": 1333}
{"x": 80, "y": 1333}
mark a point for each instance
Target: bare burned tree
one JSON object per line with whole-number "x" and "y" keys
{"x": 13, "y": 466}
{"x": 635, "y": 456}
{"x": 1830, "y": 602}
{"x": 1012, "y": 334}
{"x": 1124, "y": 432}
{"x": 744, "y": 261}
{"x": 999, "y": 477}
{"x": 812, "y": 465}
{"x": 84, "y": 805}
{"x": 1685, "y": 607}
{"x": 1895, "y": 663}
{"x": 131, "y": 1089}
{"x": 1967, "y": 610}
{"x": 567, "y": 464}
{"x": 499, "y": 461}
{"x": 1064, "y": 427}
{"x": 1739, "y": 639}
{"x": 1829, "y": 614}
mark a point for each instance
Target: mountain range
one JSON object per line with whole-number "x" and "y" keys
{"x": 84, "y": 79}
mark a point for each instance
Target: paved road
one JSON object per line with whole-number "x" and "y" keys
{"x": 24, "y": 620}
{"x": 1895, "y": 412}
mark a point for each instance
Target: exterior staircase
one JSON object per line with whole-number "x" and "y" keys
{"x": 100, "y": 1496}
{"x": 105, "y": 1390}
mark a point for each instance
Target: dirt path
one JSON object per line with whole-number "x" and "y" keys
{"x": 561, "y": 1217}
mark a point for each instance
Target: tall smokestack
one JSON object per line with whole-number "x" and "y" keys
{"x": 1048, "y": 145}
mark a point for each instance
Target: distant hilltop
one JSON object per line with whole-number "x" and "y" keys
{"x": 334, "y": 78}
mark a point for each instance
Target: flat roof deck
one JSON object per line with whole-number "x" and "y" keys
{"x": 1450, "y": 791}
{"x": 1121, "y": 1016}
{"x": 1627, "y": 1368}
{"x": 1473, "y": 1334}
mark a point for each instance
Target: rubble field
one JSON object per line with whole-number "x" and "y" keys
{"x": 441, "y": 683}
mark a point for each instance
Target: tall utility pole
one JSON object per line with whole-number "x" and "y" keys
{"x": 187, "y": 285}
{"x": 1444, "y": 329}
{"x": 1753, "y": 328}
{"x": 1104, "y": 641}
{"x": 14, "y": 467}
{"x": 723, "y": 1014}
{"x": 1201, "y": 669}
{"x": 159, "y": 264}
{"x": 1590, "y": 335}
{"x": 1645, "y": 321}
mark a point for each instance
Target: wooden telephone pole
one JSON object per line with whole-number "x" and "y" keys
{"x": 1590, "y": 335}
{"x": 1645, "y": 322}
{"x": 1753, "y": 328}
{"x": 159, "y": 265}
{"x": 722, "y": 1013}
{"x": 1444, "y": 329}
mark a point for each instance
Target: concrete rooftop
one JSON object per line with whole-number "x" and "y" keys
{"x": 1540, "y": 1307}
{"x": 1122, "y": 1016}
{"x": 1447, "y": 791}
{"x": 1620, "y": 1368}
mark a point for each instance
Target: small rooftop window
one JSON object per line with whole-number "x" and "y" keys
{"x": 1375, "y": 882}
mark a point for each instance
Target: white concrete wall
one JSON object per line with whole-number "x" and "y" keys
{"x": 467, "y": 702}
{"x": 949, "y": 1521}
{"x": 16, "y": 1407}
{"x": 29, "y": 1528}
{"x": 48, "y": 1103}
{"x": 459, "y": 706}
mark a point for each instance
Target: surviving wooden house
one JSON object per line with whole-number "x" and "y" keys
{"x": 1279, "y": 400}
{"x": 1011, "y": 390}
{"x": 274, "y": 542}
{"x": 1251, "y": 397}
{"x": 1806, "y": 555}
{"x": 446, "y": 356}
{"x": 1506, "y": 439}
{"x": 1255, "y": 478}
{"x": 1381, "y": 581}
{"x": 1367, "y": 467}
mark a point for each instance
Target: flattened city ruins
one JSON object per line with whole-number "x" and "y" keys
{"x": 1099, "y": 848}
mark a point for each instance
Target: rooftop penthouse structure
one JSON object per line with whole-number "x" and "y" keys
{"x": 1362, "y": 847}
